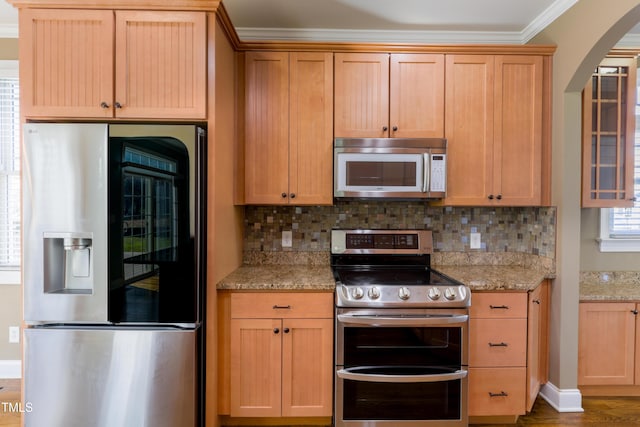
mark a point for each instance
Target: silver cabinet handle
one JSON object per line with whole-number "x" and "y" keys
{"x": 346, "y": 374}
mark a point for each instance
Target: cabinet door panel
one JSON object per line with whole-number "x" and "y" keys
{"x": 469, "y": 129}
{"x": 606, "y": 344}
{"x": 361, "y": 95}
{"x": 66, "y": 62}
{"x": 256, "y": 367}
{"x": 267, "y": 127}
{"x": 161, "y": 64}
{"x": 311, "y": 133}
{"x": 416, "y": 96}
{"x": 518, "y": 130}
{"x": 307, "y": 368}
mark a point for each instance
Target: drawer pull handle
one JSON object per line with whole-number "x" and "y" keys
{"x": 276, "y": 331}
{"x": 282, "y": 307}
{"x": 501, "y": 394}
{"x": 499, "y": 307}
{"x": 502, "y": 344}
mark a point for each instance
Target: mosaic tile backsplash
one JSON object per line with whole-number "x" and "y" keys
{"x": 527, "y": 230}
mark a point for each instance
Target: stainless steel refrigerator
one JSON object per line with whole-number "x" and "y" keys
{"x": 113, "y": 274}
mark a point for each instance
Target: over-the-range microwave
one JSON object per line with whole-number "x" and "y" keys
{"x": 401, "y": 168}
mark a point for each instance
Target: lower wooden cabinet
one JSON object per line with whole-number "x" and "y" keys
{"x": 281, "y": 354}
{"x": 507, "y": 351}
{"x": 608, "y": 337}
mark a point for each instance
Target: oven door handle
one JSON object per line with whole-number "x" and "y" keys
{"x": 346, "y": 374}
{"x": 402, "y": 321}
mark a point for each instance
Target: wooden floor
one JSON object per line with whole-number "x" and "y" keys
{"x": 598, "y": 411}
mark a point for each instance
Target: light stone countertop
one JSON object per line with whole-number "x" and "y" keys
{"x": 610, "y": 286}
{"x": 495, "y": 277}
{"x": 320, "y": 278}
{"x": 280, "y": 277}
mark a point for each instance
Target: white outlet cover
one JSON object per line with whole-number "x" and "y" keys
{"x": 14, "y": 334}
{"x": 287, "y": 239}
{"x": 475, "y": 241}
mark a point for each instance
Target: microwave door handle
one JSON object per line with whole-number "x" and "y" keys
{"x": 426, "y": 157}
{"x": 382, "y": 378}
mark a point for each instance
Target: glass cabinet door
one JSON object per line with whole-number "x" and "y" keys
{"x": 609, "y": 134}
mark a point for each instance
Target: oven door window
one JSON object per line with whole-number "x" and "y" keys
{"x": 402, "y": 346}
{"x": 402, "y": 401}
{"x": 380, "y": 172}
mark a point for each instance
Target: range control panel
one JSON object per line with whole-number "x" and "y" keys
{"x": 381, "y": 241}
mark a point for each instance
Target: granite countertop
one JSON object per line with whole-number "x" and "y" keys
{"x": 495, "y": 277}
{"x": 610, "y": 286}
{"x": 280, "y": 277}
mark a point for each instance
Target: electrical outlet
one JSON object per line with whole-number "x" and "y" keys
{"x": 474, "y": 241}
{"x": 14, "y": 334}
{"x": 287, "y": 239}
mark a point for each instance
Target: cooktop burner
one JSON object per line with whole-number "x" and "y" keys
{"x": 391, "y": 268}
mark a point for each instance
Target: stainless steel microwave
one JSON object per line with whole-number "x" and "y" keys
{"x": 402, "y": 168}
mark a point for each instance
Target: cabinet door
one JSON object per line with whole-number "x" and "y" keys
{"x": 416, "y": 96}
{"x": 606, "y": 344}
{"x": 311, "y": 128}
{"x": 361, "y": 95}
{"x": 518, "y": 130}
{"x": 608, "y": 135}
{"x": 469, "y": 129}
{"x": 307, "y": 368}
{"x": 267, "y": 128}
{"x": 535, "y": 343}
{"x": 256, "y": 354}
{"x": 66, "y": 63}
{"x": 161, "y": 64}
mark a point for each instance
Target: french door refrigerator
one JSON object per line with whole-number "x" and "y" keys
{"x": 113, "y": 254}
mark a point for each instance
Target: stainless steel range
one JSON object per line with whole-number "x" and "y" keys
{"x": 401, "y": 332}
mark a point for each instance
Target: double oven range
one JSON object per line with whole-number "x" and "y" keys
{"x": 401, "y": 332}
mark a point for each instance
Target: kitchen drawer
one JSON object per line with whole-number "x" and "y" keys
{"x": 499, "y": 305}
{"x": 497, "y": 391}
{"x": 268, "y": 305}
{"x": 497, "y": 342}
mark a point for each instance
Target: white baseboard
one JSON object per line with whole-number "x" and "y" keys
{"x": 10, "y": 369}
{"x": 568, "y": 400}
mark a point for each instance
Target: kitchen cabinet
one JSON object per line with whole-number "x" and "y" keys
{"x": 288, "y": 128}
{"x": 379, "y": 95}
{"x": 608, "y": 135}
{"x": 494, "y": 128}
{"x": 607, "y": 345}
{"x": 113, "y": 64}
{"x": 507, "y": 352}
{"x": 280, "y": 354}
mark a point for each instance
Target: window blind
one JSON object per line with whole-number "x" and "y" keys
{"x": 9, "y": 173}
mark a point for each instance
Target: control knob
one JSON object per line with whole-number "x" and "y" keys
{"x": 357, "y": 293}
{"x": 374, "y": 293}
{"x": 450, "y": 294}
{"x": 404, "y": 293}
{"x": 434, "y": 294}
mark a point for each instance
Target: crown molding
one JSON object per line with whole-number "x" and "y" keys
{"x": 543, "y": 20}
{"x": 377, "y": 36}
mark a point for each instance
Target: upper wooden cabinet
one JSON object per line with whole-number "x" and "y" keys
{"x": 288, "y": 128}
{"x": 106, "y": 64}
{"x": 493, "y": 116}
{"x": 389, "y": 95}
{"x": 608, "y": 136}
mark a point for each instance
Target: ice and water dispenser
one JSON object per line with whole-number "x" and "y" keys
{"x": 68, "y": 263}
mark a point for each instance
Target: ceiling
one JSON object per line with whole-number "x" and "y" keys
{"x": 397, "y": 21}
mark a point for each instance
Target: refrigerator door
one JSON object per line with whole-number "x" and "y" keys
{"x": 110, "y": 377}
{"x": 64, "y": 189}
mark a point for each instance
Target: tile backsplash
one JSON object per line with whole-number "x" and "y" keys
{"x": 524, "y": 229}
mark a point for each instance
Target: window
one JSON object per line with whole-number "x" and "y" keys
{"x": 9, "y": 167}
{"x": 620, "y": 227}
